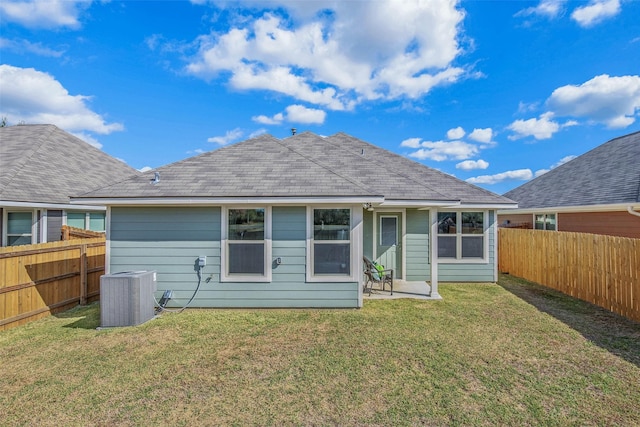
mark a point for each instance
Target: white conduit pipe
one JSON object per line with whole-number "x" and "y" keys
{"x": 632, "y": 212}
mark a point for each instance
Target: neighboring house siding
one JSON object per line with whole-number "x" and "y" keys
{"x": 417, "y": 245}
{"x": 481, "y": 272}
{"x": 169, "y": 240}
{"x": 621, "y": 224}
{"x": 54, "y": 225}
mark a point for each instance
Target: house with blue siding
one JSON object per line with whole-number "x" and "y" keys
{"x": 287, "y": 222}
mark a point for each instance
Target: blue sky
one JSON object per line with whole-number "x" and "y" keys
{"x": 493, "y": 92}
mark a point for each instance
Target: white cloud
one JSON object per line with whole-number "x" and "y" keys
{"x": 468, "y": 165}
{"x": 301, "y": 114}
{"x": 595, "y": 12}
{"x": 88, "y": 139}
{"x": 265, "y": 120}
{"x": 456, "y": 133}
{"x": 411, "y": 143}
{"x": 229, "y": 136}
{"x": 22, "y": 46}
{"x": 444, "y": 150}
{"x": 614, "y": 101}
{"x": 546, "y": 8}
{"x": 560, "y": 162}
{"x": 32, "y": 96}
{"x": 316, "y": 54}
{"x": 542, "y": 128}
{"x": 257, "y": 133}
{"x": 145, "y": 169}
{"x": 482, "y": 135}
{"x": 47, "y": 14}
{"x": 295, "y": 114}
{"x": 515, "y": 175}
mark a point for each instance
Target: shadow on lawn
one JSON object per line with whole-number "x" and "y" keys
{"x": 614, "y": 333}
{"x": 87, "y": 316}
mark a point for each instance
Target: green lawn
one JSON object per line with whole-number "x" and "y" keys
{"x": 508, "y": 354}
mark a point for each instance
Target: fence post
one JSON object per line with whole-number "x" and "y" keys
{"x": 83, "y": 274}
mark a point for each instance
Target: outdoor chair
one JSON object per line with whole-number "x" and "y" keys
{"x": 375, "y": 276}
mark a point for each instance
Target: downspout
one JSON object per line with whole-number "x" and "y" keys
{"x": 632, "y": 212}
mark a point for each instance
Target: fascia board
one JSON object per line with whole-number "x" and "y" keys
{"x": 91, "y": 207}
{"x": 208, "y": 201}
{"x": 567, "y": 209}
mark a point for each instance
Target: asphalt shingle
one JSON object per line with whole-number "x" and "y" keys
{"x": 44, "y": 164}
{"x": 608, "y": 174}
{"x": 304, "y": 165}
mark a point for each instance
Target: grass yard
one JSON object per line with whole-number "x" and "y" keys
{"x": 508, "y": 354}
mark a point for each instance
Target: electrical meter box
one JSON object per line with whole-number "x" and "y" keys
{"x": 126, "y": 298}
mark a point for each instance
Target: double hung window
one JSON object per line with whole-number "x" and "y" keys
{"x": 331, "y": 242}
{"x": 461, "y": 235}
{"x": 545, "y": 221}
{"x": 94, "y": 221}
{"x": 19, "y": 228}
{"x": 246, "y": 245}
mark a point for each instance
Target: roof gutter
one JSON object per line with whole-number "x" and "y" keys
{"x": 632, "y": 212}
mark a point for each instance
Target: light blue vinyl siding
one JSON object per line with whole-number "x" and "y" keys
{"x": 417, "y": 245}
{"x": 461, "y": 272}
{"x": 417, "y": 252}
{"x": 169, "y": 241}
{"x": 367, "y": 233}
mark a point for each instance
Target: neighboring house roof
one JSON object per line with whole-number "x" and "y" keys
{"x": 44, "y": 164}
{"x": 608, "y": 174}
{"x": 304, "y": 165}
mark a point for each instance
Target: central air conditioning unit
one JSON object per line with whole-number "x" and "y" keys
{"x": 126, "y": 298}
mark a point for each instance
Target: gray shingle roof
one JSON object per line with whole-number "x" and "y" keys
{"x": 304, "y": 165}
{"x": 44, "y": 164}
{"x": 608, "y": 174}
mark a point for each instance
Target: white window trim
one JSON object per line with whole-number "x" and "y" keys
{"x": 224, "y": 248}
{"x": 355, "y": 236}
{"x": 485, "y": 234}
{"x": 5, "y": 224}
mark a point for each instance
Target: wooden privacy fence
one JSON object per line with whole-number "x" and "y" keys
{"x": 38, "y": 280}
{"x": 70, "y": 233}
{"x": 603, "y": 270}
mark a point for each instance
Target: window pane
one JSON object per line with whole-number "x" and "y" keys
{"x": 446, "y": 246}
{"x": 246, "y": 224}
{"x": 332, "y": 258}
{"x": 76, "y": 219}
{"x": 472, "y": 247}
{"x": 551, "y": 222}
{"x": 331, "y": 224}
{"x": 97, "y": 221}
{"x": 447, "y": 223}
{"x": 19, "y": 223}
{"x": 19, "y": 240}
{"x": 472, "y": 223}
{"x": 246, "y": 258}
{"x": 388, "y": 231}
{"x": 539, "y": 224}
